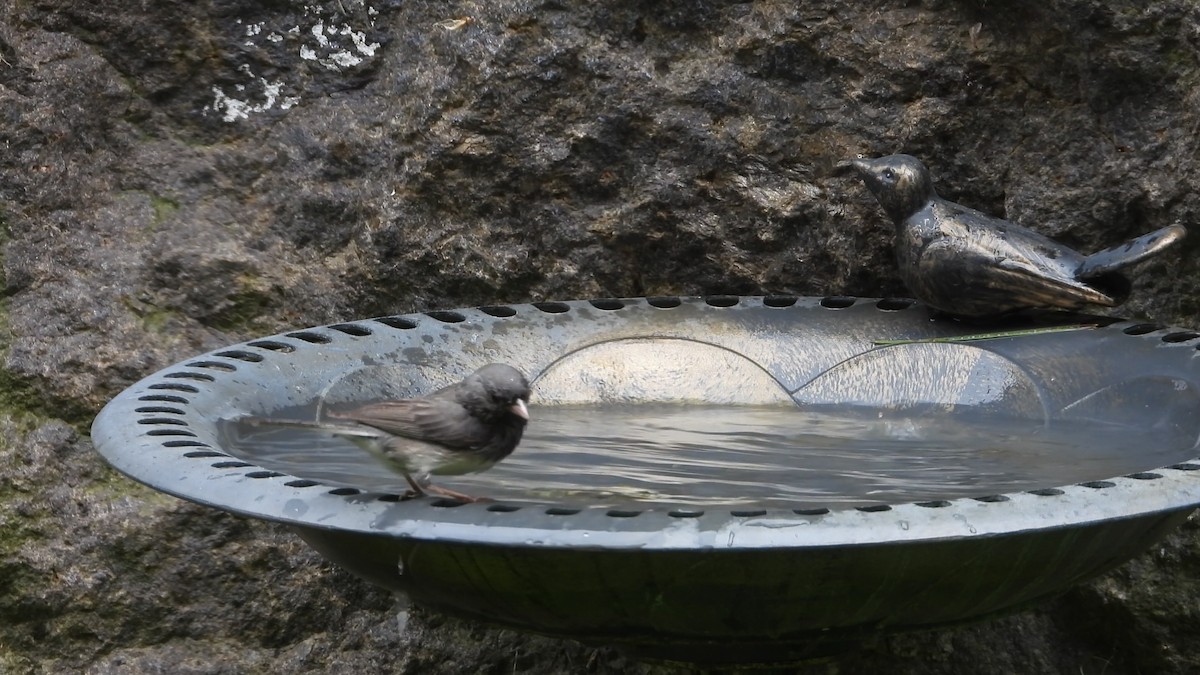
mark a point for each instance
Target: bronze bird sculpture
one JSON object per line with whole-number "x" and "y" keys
{"x": 462, "y": 428}
{"x": 971, "y": 265}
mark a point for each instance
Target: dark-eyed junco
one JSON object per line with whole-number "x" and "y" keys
{"x": 969, "y": 264}
{"x": 465, "y": 427}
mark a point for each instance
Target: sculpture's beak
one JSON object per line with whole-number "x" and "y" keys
{"x": 858, "y": 166}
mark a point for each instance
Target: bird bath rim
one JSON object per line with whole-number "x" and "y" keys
{"x": 161, "y": 432}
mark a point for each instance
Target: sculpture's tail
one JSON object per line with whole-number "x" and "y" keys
{"x": 1135, "y": 250}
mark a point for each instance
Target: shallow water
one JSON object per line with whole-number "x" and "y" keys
{"x": 706, "y": 455}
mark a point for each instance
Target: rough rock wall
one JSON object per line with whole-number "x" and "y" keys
{"x": 181, "y": 175}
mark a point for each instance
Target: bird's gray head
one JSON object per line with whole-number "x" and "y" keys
{"x": 494, "y": 391}
{"x": 901, "y": 183}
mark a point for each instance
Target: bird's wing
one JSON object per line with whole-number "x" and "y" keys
{"x": 436, "y": 420}
{"x": 1031, "y": 282}
{"x": 1004, "y": 275}
{"x": 1005, "y": 263}
{"x": 1004, "y": 240}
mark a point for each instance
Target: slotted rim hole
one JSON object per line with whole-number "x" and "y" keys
{"x": 1180, "y": 336}
{"x": 161, "y": 409}
{"x": 552, "y": 307}
{"x": 499, "y": 311}
{"x": 311, "y": 337}
{"x": 214, "y": 365}
{"x": 397, "y": 322}
{"x": 838, "y": 301}
{"x": 1142, "y": 328}
{"x": 722, "y": 300}
{"x": 249, "y": 357}
{"x": 664, "y": 301}
{"x": 351, "y": 329}
{"x": 164, "y": 398}
{"x": 273, "y": 346}
{"x": 175, "y": 386}
{"x": 446, "y": 316}
{"x": 185, "y": 443}
{"x": 185, "y": 375}
{"x": 607, "y": 304}
{"x": 163, "y": 420}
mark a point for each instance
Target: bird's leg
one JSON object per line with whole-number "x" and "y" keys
{"x": 416, "y": 491}
{"x": 454, "y": 494}
{"x": 422, "y": 488}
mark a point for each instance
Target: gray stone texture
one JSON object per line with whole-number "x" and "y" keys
{"x": 178, "y": 175}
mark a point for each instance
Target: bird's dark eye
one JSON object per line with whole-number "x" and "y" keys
{"x": 889, "y": 174}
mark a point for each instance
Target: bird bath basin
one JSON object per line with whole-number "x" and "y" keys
{"x": 746, "y": 575}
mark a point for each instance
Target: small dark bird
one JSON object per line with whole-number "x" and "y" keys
{"x": 966, "y": 263}
{"x": 465, "y": 427}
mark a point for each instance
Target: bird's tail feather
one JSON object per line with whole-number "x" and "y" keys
{"x": 1133, "y": 251}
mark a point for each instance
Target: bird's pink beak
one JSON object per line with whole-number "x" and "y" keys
{"x": 520, "y": 410}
